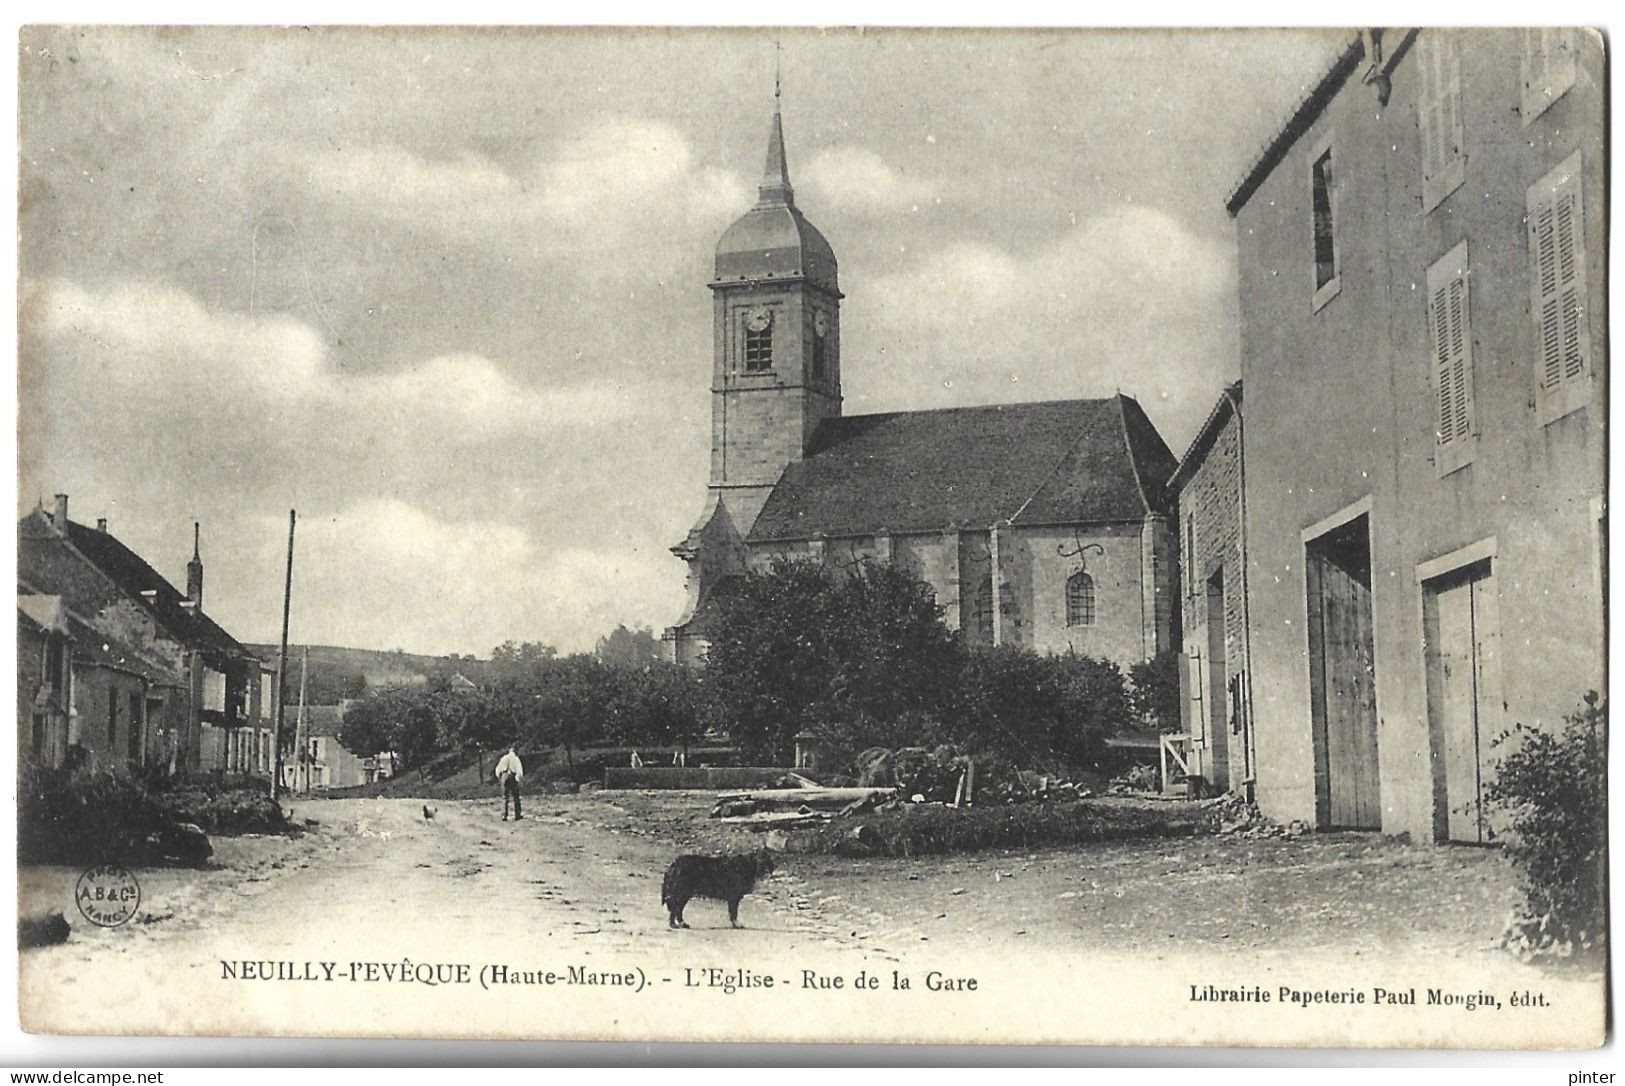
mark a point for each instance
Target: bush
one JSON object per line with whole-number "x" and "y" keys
{"x": 1153, "y": 694}
{"x": 1552, "y": 789}
{"x": 66, "y": 817}
{"x": 1038, "y": 710}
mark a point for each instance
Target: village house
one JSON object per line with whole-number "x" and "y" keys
{"x": 148, "y": 675}
{"x": 1209, "y": 488}
{"x": 316, "y": 760}
{"x": 86, "y": 696}
{"x": 1040, "y": 525}
{"x": 1421, "y": 283}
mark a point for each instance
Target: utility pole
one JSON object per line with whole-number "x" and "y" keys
{"x": 282, "y": 666}
{"x": 302, "y": 729}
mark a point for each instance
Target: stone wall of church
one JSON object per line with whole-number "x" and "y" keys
{"x": 1036, "y": 563}
{"x": 1133, "y": 594}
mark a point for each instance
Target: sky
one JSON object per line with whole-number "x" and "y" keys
{"x": 443, "y": 291}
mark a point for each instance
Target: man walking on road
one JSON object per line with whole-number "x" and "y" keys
{"x": 510, "y": 771}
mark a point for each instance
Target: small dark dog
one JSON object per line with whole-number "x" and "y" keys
{"x": 721, "y": 878}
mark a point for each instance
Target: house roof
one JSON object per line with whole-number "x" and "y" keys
{"x": 1302, "y": 116}
{"x": 43, "y": 612}
{"x": 1229, "y": 403}
{"x": 1061, "y": 462}
{"x": 95, "y": 646}
{"x": 55, "y": 562}
{"x": 91, "y": 645}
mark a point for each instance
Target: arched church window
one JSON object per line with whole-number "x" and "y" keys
{"x": 1080, "y": 599}
{"x": 758, "y": 341}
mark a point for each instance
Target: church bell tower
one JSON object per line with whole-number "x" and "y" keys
{"x": 775, "y": 375}
{"x": 777, "y": 361}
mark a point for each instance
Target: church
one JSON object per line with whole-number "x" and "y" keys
{"x": 1040, "y": 525}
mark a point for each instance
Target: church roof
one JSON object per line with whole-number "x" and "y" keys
{"x": 774, "y": 240}
{"x": 1062, "y": 462}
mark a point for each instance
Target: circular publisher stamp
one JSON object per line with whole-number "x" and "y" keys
{"x": 107, "y": 895}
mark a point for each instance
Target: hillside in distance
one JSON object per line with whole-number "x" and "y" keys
{"x": 337, "y": 673}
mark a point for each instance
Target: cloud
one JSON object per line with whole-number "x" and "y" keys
{"x": 162, "y": 346}
{"x": 857, "y": 180}
{"x": 621, "y": 185}
{"x": 446, "y": 506}
{"x": 384, "y": 572}
{"x": 1130, "y": 300}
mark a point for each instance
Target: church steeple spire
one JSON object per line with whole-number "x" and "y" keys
{"x": 775, "y": 187}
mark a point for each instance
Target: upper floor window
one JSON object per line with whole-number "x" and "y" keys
{"x": 1452, "y": 359}
{"x": 1080, "y": 599}
{"x": 758, "y": 341}
{"x": 1444, "y": 154}
{"x": 1549, "y": 68}
{"x": 1323, "y": 205}
{"x": 1557, "y": 265}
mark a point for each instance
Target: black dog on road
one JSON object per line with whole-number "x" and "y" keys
{"x": 721, "y": 878}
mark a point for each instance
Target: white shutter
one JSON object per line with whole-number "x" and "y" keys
{"x": 1557, "y": 261}
{"x": 214, "y": 690}
{"x": 1448, "y": 319}
{"x": 1549, "y": 67}
{"x": 1444, "y": 159}
{"x": 1427, "y": 105}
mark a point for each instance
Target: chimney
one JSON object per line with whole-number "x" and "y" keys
{"x": 59, "y": 516}
{"x": 101, "y": 524}
{"x": 194, "y": 571}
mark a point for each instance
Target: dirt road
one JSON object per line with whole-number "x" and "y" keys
{"x": 572, "y": 893}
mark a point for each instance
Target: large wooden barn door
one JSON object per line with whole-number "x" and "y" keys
{"x": 1462, "y": 647}
{"x": 1342, "y": 677}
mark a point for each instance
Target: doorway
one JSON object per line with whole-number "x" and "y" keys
{"x": 1461, "y": 644}
{"x": 1342, "y": 677}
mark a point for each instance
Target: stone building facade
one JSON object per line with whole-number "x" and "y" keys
{"x": 149, "y": 674}
{"x": 1043, "y": 525}
{"x": 1422, "y": 258}
{"x": 1209, "y": 488}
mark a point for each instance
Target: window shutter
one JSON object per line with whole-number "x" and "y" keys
{"x": 1549, "y": 67}
{"x": 1428, "y": 107}
{"x": 1557, "y": 271}
{"x": 1439, "y": 117}
{"x": 1452, "y": 351}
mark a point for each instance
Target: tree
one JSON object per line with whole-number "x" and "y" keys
{"x": 521, "y": 661}
{"x": 405, "y": 720}
{"x": 659, "y": 704}
{"x": 848, "y": 653}
{"x": 628, "y": 648}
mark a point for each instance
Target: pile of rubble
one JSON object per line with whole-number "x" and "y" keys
{"x": 1237, "y": 817}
